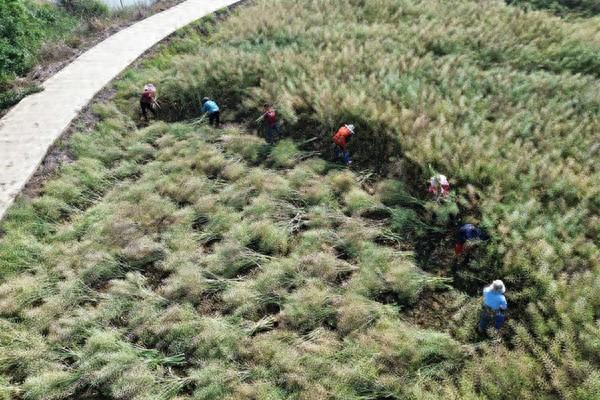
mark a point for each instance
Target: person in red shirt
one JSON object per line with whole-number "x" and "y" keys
{"x": 270, "y": 118}
{"x": 340, "y": 139}
{"x": 148, "y": 100}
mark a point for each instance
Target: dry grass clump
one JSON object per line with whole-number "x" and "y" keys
{"x": 386, "y": 276}
{"x": 309, "y": 307}
{"x": 325, "y": 266}
{"x": 342, "y": 181}
{"x": 189, "y": 284}
{"x": 251, "y": 148}
{"x": 357, "y": 313}
{"x": 215, "y": 380}
{"x": 357, "y": 201}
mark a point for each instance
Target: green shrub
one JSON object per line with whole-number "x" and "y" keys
{"x": 251, "y": 148}
{"x": 358, "y": 200}
{"x": 6, "y": 390}
{"x": 20, "y": 35}
{"x": 395, "y": 193}
{"x": 86, "y": 8}
{"x": 285, "y": 154}
{"x": 24, "y": 25}
{"x": 406, "y": 222}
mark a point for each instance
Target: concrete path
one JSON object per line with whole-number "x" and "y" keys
{"x": 31, "y": 127}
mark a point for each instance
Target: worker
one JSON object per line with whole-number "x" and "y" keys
{"x": 148, "y": 101}
{"x": 270, "y": 118}
{"x": 340, "y": 139}
{"x": 466, "y": 233}
{"x": 494, "y": 306}
{"x": 439, "y": 186}
{"x": 210, "y": 108}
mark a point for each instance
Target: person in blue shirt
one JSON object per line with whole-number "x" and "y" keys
{"x": 210, "y": 108}
{"x": 494, "y": 306}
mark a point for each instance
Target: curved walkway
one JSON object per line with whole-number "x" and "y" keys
{"x": 32, "y": 126}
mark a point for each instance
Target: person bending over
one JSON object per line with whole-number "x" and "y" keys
{"x": 211, "y": 109}
{"x": 341, "y": 139}
{"x": 148, "y": 101}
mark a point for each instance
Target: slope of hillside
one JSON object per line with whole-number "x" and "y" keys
{"x": 179, "y": 262}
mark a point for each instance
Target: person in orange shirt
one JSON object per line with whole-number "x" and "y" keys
{"x": 340, "y": 139}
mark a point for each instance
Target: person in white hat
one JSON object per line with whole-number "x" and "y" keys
{"x": 494, "y": 306}
{"x": 148, "y": 101}
{"x": 439, "y": 186}
{"x": 340, "y": 139}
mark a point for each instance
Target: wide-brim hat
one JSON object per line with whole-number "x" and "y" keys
{"x": 350, "y": 128}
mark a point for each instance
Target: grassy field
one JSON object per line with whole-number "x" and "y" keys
{"x": 179, "y": 262}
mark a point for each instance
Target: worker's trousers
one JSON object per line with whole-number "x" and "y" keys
{"x": 214, "y": 119}
{"x": 489, "y": 316}
{"x": 272, "y": 133}
{"x": 342, "y": 153}
{"x": 147, "y": 107}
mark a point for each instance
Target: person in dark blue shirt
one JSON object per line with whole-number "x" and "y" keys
{"x": 210, "y": 108}
{"x": 465, "y": 233}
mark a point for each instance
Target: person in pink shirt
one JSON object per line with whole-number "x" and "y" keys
{"x": 148, "y": 101}
{"x": 439, "y": 186}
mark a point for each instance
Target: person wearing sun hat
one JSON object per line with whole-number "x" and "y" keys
{"x": 494, "y": 306}
{"x": 340, "y": 139}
